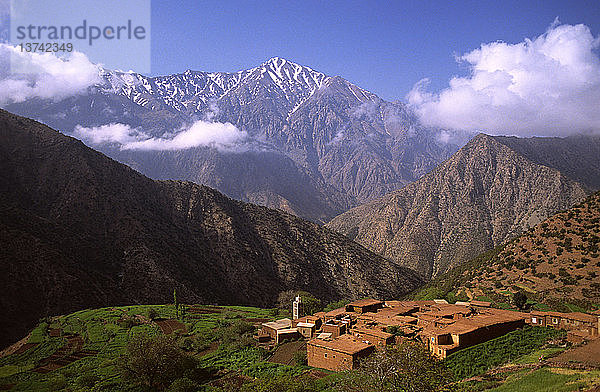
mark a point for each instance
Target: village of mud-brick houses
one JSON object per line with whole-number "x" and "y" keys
{"x": 339, "y": 339}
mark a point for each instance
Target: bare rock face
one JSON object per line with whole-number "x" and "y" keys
{"x": 78, "y": 230}
{"x": 484, "y": 195}
{"x": 317, "y": 146}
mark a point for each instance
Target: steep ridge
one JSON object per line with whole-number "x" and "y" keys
{"x": 482, "y": 196}
{"x": 338, "y": 142}
{"x": 554, "y": 262}
{"x": 577, "y": 157}
{"x": 78, "y": 230}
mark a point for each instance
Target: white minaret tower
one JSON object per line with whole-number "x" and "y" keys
{"x": 297, "y": 308}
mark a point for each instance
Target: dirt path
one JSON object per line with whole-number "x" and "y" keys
{"x": 284, "y": 354}
{"x": 18, "y": 348}
{"x": 67, "y": 354}
{"x": 587, "y": 355}
{"x": 169, "y": 326}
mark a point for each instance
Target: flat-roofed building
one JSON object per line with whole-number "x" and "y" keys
{"x": 374, "y": 336}
{"x": 272, "y": 327}
{"x": 342, "y": 353}
{"x": 307, "y": 330}
{"x": 335, "y": 328}
{"x": 364, "y": 305}
{"x": 287, "y": 334}
{"x": 314, "y": 319}
{"x": 575, "y": 321}
{"x": 467, "y": 332}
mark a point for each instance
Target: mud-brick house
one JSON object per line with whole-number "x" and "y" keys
{"x": 308, "y": 330}
{"x": 271, "y": 328}
{"x": 287, "y": 334}
{"x": 334, "y": 314}
{"x": 466, "y": 332}
{"x": 374, "y": 336}
{"x": 575, "y": 321}
{"x": 316, "y": 320}
{"x": 342, "y": 353}
{"x": 335, "y": 327}
{"x": 364, "y": 306}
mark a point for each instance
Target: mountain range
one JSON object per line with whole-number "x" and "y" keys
{"x": 315, "y": 145}
{"x": 493, "y": 189}
{"x": 80, "y": 230}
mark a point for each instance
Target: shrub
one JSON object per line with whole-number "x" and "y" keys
{"x": 300, "y": 358}
{"x": 152, "y": 314}
{"x": 335, "y": 305}
{"x": 520, "y": 299}
{"x": 87, "y": 380}
{"x": 154, "y": 362}
{"x": 183, "y": 384}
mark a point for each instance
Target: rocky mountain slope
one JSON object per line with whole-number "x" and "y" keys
{"x": 338, "y": 143}
{"x": 554, "y": 262}
{"x": 487, "y": 193}
{"x": 78, "y": 229}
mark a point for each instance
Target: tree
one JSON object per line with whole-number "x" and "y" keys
{"x": 154, "y": 362}
{"x": 406, "y": 367}
{"x": 153, "y": 314}
{"x": 175, "y": 303}
{"x": 335, "y": 305}
{"x": 520, "y": 299}
{"x": 310, "y": 303}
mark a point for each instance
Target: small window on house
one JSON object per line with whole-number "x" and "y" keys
{"x": 555, "y": 320}
{"x": 534, "y": 320}
{"x": 325, "y": 355}
{"x": 432, "y": 340}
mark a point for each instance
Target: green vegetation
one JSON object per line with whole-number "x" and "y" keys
{"x": 478, "y": 359}
{"x": 215, "y": 339}
{"x": 519, "y": 300}
{"x": 548, "y": 380}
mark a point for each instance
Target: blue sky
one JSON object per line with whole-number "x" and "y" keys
{"x": 385, "y": 47}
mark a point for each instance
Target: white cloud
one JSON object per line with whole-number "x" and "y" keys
{"x": 201, "y": 133}
{"x": 116, "y": 133}
{"x": 546, "y": 86}
{"x": 44, "y": 75}
{"x": 213, "y": 110}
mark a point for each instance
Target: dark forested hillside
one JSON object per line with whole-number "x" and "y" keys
{"x": 78, "y": 229}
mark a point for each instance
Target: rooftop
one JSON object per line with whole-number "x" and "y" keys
{"x": 365, "y": 302}
{"x": 287, "y": 330}
{"x": 335, "y": 312}
{"x": 346, "y": 344}
{"x": 483, "y": 304}
{"x": 279, "y": 324}
{"x": 373, "y": 332}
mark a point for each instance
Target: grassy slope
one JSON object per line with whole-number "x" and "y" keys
{"x": 107, "y": 331}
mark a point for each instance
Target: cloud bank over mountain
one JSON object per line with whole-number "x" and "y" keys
{"x": 201, "y": 133}
{"x": 548, "y": 86}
